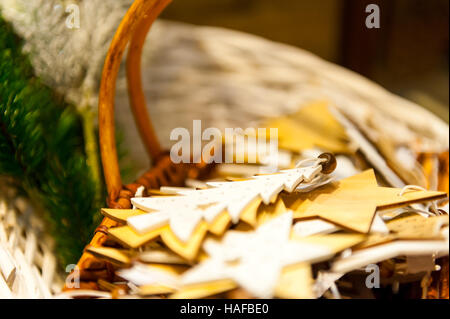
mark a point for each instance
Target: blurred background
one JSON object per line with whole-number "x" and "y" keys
{"x": 408, "y": 54}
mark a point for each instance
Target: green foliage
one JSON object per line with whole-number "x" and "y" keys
{"x": 41, "y": 145}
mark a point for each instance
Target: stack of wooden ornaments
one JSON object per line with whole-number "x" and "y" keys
{"x": 322, "y": 226}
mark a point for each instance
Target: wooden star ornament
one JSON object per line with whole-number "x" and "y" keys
{"x": 352, "y": 203}
{"x": 256, "y": 260}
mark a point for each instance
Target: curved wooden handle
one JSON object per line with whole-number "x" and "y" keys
{"x": 134, "y": 27}
{"x": 134, "y": 79}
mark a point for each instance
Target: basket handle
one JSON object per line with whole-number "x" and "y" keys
{"x": 133, "y": 28}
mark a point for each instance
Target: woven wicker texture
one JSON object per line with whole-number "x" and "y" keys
{"x": 27, "y": 263}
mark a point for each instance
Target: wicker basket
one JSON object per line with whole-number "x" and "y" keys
{"x": 96, "y": 274}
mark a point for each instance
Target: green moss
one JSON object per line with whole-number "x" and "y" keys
{"x": 42, "y": 146}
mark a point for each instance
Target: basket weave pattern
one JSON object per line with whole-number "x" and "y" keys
{"x": 27, "y": 262}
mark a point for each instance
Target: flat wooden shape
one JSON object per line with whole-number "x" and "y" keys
{"x": 157, "y": 192}
{"x": 129, "y": 238}
{"x": 316, "y": 126}
{"x": 249, "y": 214}
{"x": 334, "y": 242}
{"x": 160, "y": 255}
{"x": 376, "y": 239}
{"x": 220, "y": 224}
{"x": 418, "y": 227}
{"x": 190, "y": 249}
{"x": 295, "y": 282}
{"x": 267, "y": 212}
{"x": 121, "y": 215}
{"x": 171, "y": 269}
{"x": 352, "y": 202}
{"x": 149, "y": 290}
{"x": 373, "y": 255}
{"x": 409, "y": 227}
{"x": 388, "y": 198}
{"x": 116, "y": 256}
{"x": 317, "y": 226}
{"x": 204, "y": 289}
